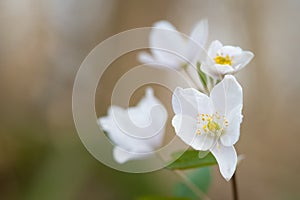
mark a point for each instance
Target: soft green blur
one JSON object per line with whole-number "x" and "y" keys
{"x": 42, "y": 44}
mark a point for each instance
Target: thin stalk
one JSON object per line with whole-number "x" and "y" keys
{"x": 234, "y": 188}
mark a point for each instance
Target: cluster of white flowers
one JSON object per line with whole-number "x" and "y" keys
{"x": 207, "y": 120}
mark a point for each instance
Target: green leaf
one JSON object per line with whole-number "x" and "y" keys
{"x": 190, "y": 159}
{"x": 202, "y": 76}
{"x": 211, "y": 81}
{"x": 163, "y": 198}
{"x": 200, "y": 177}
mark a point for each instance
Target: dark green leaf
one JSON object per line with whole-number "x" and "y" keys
{"x": 190, "y": 159}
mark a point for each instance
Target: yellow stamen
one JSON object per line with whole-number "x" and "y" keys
{"x": 223, "y": 60}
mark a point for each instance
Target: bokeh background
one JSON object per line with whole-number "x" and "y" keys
{"x": 42, "y": 44}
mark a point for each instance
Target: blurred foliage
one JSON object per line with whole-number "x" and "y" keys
{"x": 200, "y": 177}
{"x": 163, "y": 198}
{"x": 65, "y": 170}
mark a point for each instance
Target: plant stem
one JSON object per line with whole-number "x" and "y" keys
{"x": 234, "y": 188}
{"x": 191, "y": 185}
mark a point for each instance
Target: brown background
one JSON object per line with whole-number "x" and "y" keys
{"x": 42, "y": 44}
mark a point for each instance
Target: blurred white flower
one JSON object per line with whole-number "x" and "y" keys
{"x": 211, "y": 123}
{"x": 137, "y": 131}
{"x": 174, "y": 42}
{"x": 222, "y": 60}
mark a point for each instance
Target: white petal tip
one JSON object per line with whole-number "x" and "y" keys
{"x": 177, "y": 89}
{"x": 163, "y": 24}
{"x": 204, "y": 23}
{"x": 103, "y": 122}
{"x": 175, "y": 121}
{"x": 217, "y": 42}
{"x": 149, "y": 92}
{"x": 145, "y": 57}
{"x": 250, "y": 55}
{"x": 228, "y": 175}
{"x": 231, "y": 79}
{"x": 227, "y": 160}
{"x": 204, "y": 20}
{"x": 121, "y": 156}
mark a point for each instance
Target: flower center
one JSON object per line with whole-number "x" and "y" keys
{"x": 221, "y": 60}
{"x": 213, "y": 124}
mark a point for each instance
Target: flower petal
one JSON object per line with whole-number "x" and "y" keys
{"x": 149, "y": 101}
{"x": 227, "y": 95}
{"x": 222, "y": 70}
{"x": 151, "y": 107}
{"x": 164, "y": 25}
{"x": 155, "y": 131}
{"x": 226, "y": 158}
{"x": 242, "y": 59}
{"x": 232, "y": 132}
{"x": 198, "y": 39}
{"x": 213, "y": 48}
{"x": 144, "y": 130}
{"x": 143, "y": 124}
{"x": 122, "y": 156}
{"x": 124, "y": 138}
{"x": 146, "y": 58}
{"x": 186, "y": 127}
{"x": 216, "y": 71}
{"x": 208, "y": 69}
{"x": 230, "y": 50}
{"x": 166, "y": 42}
{"x": 105, "y": 123}
{"x": 190, "y": 102}
{"x": 118, "y": 136}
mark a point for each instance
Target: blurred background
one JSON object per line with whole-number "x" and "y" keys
{"x": 42, "y": 44}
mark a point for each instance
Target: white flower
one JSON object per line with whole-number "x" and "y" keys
{"x": 222, "y": 60}
{"x": 174, "y": 42}
{"x": 137, "y": 131}
{"x": 211, "y": 123}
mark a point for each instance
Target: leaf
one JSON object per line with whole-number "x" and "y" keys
{"x": 202, "y": 76}
{"x": 190, "y": 159}
{"x": 200, "y": 177}
{"x": 163, "y": 198}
